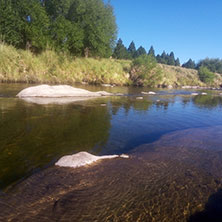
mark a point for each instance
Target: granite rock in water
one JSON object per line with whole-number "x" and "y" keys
{"x": 82, "y": 159}
{"x": 59, "y": 91}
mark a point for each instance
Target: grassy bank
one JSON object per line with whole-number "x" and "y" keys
{"x": 179, "y": 76}
{"x": 51, "y": 67}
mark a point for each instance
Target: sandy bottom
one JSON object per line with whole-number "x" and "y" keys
{"x": 177, "y": 178}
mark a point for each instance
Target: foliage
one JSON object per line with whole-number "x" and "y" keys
{"x": 66, "y": 36}
{"x": 24, "y": 24}
{"x": 144, "y": 71}
{"x": 132, "y": 50}
{"x": 151, "y": 51}
{"x": 177, "y": 62}
{"x": 120, "y": 51}
{"x": 190, "y": 64}
{"x": 171, "y": 59}
{"x": 79, "y": 27}
{"x": 214, "y": 65}
{"x": 206, "y": 75}
{"x": 140, "y": 51}
{"x": 168, "y": 59}
{"x": 98, "y": 24}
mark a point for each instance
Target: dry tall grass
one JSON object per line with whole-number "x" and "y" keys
{"x": 51, "y": 67}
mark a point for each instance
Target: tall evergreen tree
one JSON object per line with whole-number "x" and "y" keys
{"x": 177, "y": 62}
{"x": 151, "y": 51}
{"x": 171, "y": 59}
{"x": 120, "y": 51}
{"x": 140, "y": 51}
{"x": 158, "y": 58}
{"x": 190, "y": 64}
{"x": 132, "y": 50}
{"x": 163, "y": 57}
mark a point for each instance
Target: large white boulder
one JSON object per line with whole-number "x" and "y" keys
{"x": 59, "y": 91}
{"x": 82, "y": 159}
{"x": 56, "y": 100}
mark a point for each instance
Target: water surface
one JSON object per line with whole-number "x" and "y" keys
{"x": 173, "y": 138}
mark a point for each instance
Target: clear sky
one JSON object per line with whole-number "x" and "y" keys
{"x": 189, "y": 28}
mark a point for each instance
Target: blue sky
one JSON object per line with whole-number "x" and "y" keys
{"x": 189, "y": 28}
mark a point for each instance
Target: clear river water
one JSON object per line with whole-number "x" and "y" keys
{"x": 173, "y": 138}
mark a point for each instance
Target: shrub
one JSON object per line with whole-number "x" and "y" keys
{"x": 206, "y": 75}
{"x": 144, "y": 71}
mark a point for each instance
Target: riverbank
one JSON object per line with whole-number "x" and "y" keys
{"x": 53, "y": 68}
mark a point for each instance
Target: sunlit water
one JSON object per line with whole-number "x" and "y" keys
{"x": 173, "y": 139}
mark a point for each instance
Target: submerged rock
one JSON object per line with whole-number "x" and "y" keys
{"x": 59, "y": 91}
{"x": 82, "y": 159}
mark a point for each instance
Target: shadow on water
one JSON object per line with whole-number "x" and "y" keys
{"x": 212, "y": 211}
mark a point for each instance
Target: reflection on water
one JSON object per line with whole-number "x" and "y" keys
{"x": 169, "y": 179}
{"x": 36, "y": 135}
{"x": 208, "y": 101}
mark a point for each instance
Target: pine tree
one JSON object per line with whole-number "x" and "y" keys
{"x": 158, "y": 58}
{"x": 190, "y": 64}
{"x": 132, "y": 50}
{"x": 120, "y": 51}
{"x": 151, "y": 51}
{"x": 164, "y": 58}
{"x": 177, "y": 62}
{"x": 171, "y": 59}
{"x": 140, "y": 51}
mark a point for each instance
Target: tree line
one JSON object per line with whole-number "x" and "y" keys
{"x": 121, "y": 52}
{"x": 214, "y": 65}
{"x": 206, "y": 66}
{"x": 79, "y": 27}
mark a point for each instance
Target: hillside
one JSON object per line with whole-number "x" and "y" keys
{"x": 51, "y": 67}
{"x": 179, "y": 76}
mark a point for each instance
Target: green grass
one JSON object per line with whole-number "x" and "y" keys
{"x": 51, "y": 67}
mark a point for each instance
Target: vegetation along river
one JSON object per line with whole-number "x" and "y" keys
{"x": 173, "y": 173}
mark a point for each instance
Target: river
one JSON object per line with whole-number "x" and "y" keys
{"x": 173, "y": 138}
